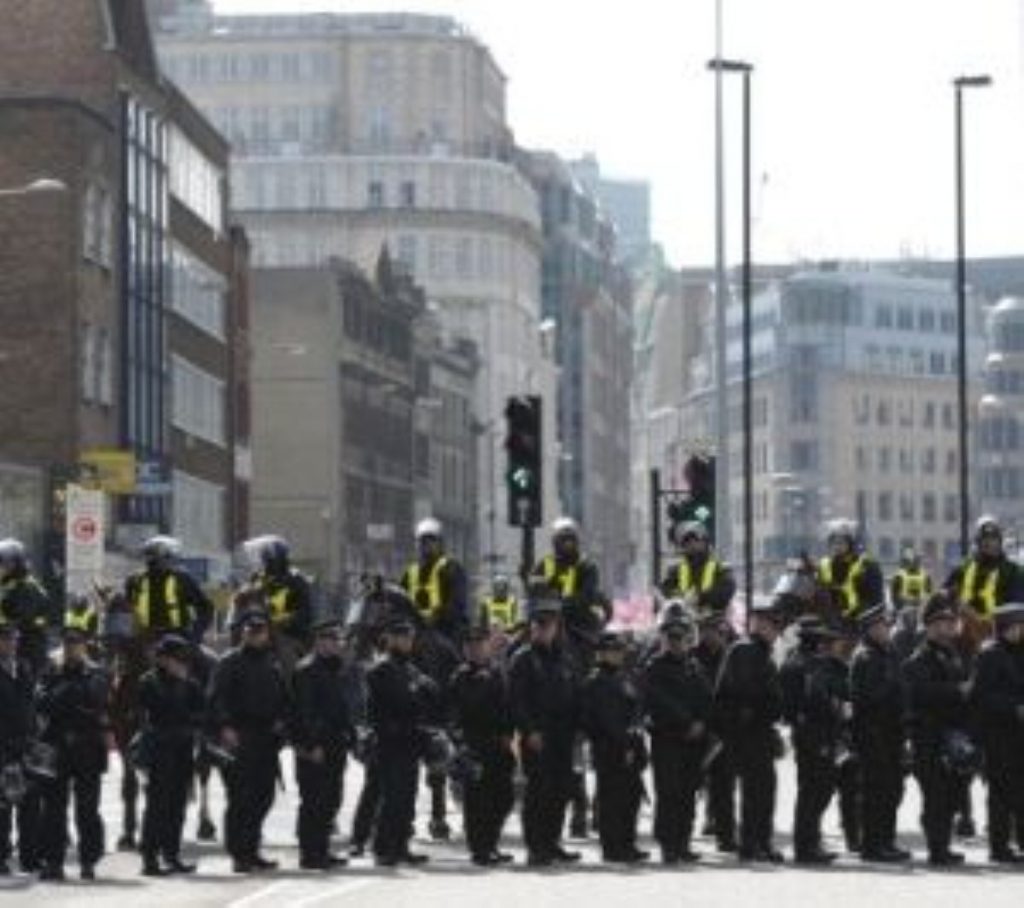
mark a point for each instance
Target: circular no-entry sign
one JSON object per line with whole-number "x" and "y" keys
{"x": 83, "y": 529}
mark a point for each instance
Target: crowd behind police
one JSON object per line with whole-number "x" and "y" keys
{"x": 485, "y": 697}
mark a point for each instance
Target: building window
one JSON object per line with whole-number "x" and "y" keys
{"x": 883, "y": 317}
{"x": 884, "y": 460}
{"x": 884, "y": 415}
{"x": 375, "y": 194}
{"x": 906, "y": 460}
{"x": 97, "y": 225}
{"x": 928, "y": 461}
{"x": 408, "y": 194}
{"x": 947, "y": 416}
{"x": 198, "y": 292}
{"x": 198, "y": 401}
{"x": 947, "y": 321}
{"x": 906, "y": 507}
{"x": 803, "y": 455}
{"x": 926, "y": 320}
{"x": 950, "y": 508}
{"x": 195, "y": 180}
{"x": 937, "y": 363}
{"x": 928, "y": 420}
{"x": 928, "y": 508}
{"x": 950, "y": 462}
{"x": 198, "y": 512}
{"x": 885, "y": 506}
{"x": 87, "y": 367}
{"x": 406, "y": 251}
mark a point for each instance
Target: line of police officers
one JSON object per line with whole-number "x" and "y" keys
{"x": 474, "y": 693}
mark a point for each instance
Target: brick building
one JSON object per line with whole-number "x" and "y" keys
{"x": 124, "y": 291}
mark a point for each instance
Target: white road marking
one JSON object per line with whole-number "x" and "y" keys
{"x": 259, "y": 894}
{"x": 334, "y": 891}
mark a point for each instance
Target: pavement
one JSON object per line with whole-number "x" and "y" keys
{"x": 449, "y": 880}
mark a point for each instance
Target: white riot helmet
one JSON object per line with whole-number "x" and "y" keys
{"x": 841, "y": 528}
{"x": 565, "y": 526}
{"x": 12, "y": 553}
{"x": 161, "y": 548}
{"x": 429, "y": 527}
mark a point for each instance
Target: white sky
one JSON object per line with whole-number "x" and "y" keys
{"x": 852, "y": 106}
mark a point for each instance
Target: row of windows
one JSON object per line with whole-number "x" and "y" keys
{"x": 379, "y": 331}
{"x": 885, "y": 412}
{"x": 198, "y": 292}
{"x": 904, "y": 460}
{"x": 888, "y": 506}
{"x": 1002, "y": 482}
{"x": 196, "y": 181}
{"x": 199, "y": 404}
{"x": 1000, "y": 434}
{"x": 312, "y": 126}
{"x": 898, "y": 361}
{"x": 805, "y": 303}
{"x": 198, "y": 509}
{"x": 257, "y": 66}
{"x": 910, "y": 318}
{"x": 1005, "y": 381}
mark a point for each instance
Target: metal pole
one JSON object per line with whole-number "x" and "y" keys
{"x": 961, "y": 325}
{"x": 655, "y": 527}
{"x": 748, "y": 390}
{"x": 723, "y": 527}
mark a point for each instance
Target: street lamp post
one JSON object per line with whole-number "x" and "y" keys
{"x": 959, "y": 84}
{"x": 719, "y": 65}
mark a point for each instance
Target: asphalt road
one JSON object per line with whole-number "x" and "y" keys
{"x": 450, "y": 881}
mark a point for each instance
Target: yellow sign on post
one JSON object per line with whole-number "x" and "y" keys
{"x": 110, "y": 470}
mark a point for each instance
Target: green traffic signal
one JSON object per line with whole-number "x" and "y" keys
{"x": 521, "y": 479}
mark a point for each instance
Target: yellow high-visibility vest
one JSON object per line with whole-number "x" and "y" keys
{"x": 426, "y": 590}
{"x": 83, "y": 621}
{"x": 987, "y": 593}
{"x": 849, "y": 587}
{"x": 141, "y": 605}
{"x": 684, "y": 577}
{"x": 913, "y": 584}
{"x": 565, "y": 580}
{"x": 502, "y": 612}
{"x": 276, "y": 599}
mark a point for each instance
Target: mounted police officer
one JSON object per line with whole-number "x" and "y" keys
{"x": 17, "y": 731}
{"x": 699, "y": 578}
{"x": 249, "y": 715}
{"x": 748, "y": 704}
{"x": 436, "y": 583}
{"x": 501, "y": 605}
{"x": 678, "y": 707}
{"x": 323, "y": 733}
{"x": 284, "y": 593}
{"x": 480, "y": 710}
{"x": 877, "y": 696}
{"x": 851, "y": 579}
{"x": 72, "y": 703}
{"x": 997, "y": 695}
{"x": 80, "y": 613}
{"x": 911, "y": 585}
{"x": 24, "y": 603}
{"x": 172, "y": 711}
{"x": 988, "y": 578}
{"x": 937, "y": 696}
{"x": 164, "y": 598}
{"x": 545, "y": 697}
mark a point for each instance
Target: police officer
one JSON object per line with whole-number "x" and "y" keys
{"x": 401, "y": 702}
{"x": 480, "y": 710}
{"x": 699, "y": 577}
{"x": 72, "y": 703}
{"x": 172, "y": 711}
{"x": 17, "y": 730}
{"x": 436, "y": 583}
{"x": 249, "y": 715}
{"x": 163, "y": 597}
{"x": 678, "y": 706}
{"x": 24, "y": 603}
{"x": 715, "y": 634}
{"x": 877, "y": 697}
{"x": 998, "y": 698}
{"x": 80, "y": 613}
{"x": 850, "y": 578}
{"x": 612, "y": 719}
{"x": 323, "y": 733}
{"x": 501, "y": 606}
{"x": 748, "y": 704}
{"x": 546, "y": 709}
{"x": 814, "y": 680}
{"x": 988, "y": 578}
{"x": 284, "y": 593}
{"x": 911, "y": 585}
{"x": 937, "y": 695}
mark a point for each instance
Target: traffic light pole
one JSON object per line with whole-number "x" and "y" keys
{"x": 655, "y": 526}
{"x": 527, "y": 556}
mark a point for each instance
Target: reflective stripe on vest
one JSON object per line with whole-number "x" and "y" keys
{"x": 81, "y": 620}
{"x": 849, "y": 587}
{"x": 913, "y": 584}
{"x": 277, "y": 599}
{"x": 684, "y": 579}
{"x": 566, "y": 579}
{"x": 987, "y": 593}
{"x": 502, "y": 612}
{"x": 426, "y": 594}
{"x": 141, "y": 604}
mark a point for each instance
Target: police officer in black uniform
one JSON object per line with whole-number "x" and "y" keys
{"x": 17, "y": 730}
{"x": 877, "y": 697}
{"x": 322, "y": 735}
{"x": 401, "y": 702}
{"x": 72, "y": 703}
{"x": 612, "y": 719}
{"x": 24, "y": 603}
{"x": 937, "y": 696}
{"x": 172, "y": 709}
{"x": 748, "y": 704}
{"x": 678, "y": 707}
{"x": 997, "y": 696}
{"x": 249, "y": 715}
{"x": 546, "y": 708}
{"x": 481, "y": 713}
{"x": 814, "y": 682}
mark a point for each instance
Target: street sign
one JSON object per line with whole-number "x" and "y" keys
{"x": 83, "y": 555}
{"x": 151, "y": 478}
{"x": 109, "y": 469}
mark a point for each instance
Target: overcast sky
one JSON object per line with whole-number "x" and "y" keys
{"x": 853, "y": 112}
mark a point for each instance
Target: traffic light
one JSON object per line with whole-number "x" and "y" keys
{"x": 697, "y": 504}
{"x": 524, "y": 461}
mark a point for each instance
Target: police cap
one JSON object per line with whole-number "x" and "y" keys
{"x": 938, "y": 606}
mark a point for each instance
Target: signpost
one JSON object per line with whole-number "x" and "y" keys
{"x": 84, "y": 534}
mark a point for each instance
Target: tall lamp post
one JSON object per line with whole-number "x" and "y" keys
{"x": 719, "y": 65}
{"x": 959, "y": 84}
